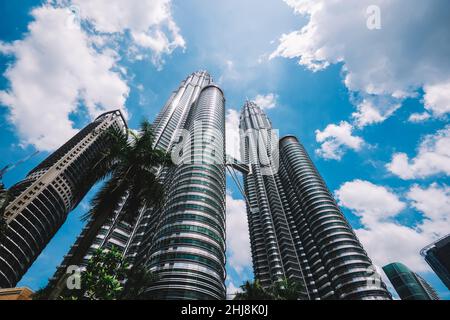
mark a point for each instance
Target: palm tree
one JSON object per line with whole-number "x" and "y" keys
{"x": 128, "y": 169}
{"x": 288, "y": 289}
{"x": 138, "y": 279}
{"x": 254, "y": 291}
{"x": 285, "y": 289}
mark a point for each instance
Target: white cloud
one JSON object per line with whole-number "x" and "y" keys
{"x": 266, "y": 102}
{"x": 61, "y": 64}
{"x": 232, "y": 133}
{"x": 433, "y": 158}
{"x": 419, "y": 117}
{"x": 377, "y": 204}
{"x": 149, "y": 22}
{"x": 396, "y": 61}
{"x": 391, "y": 242}
{"x": 387, "y": 240}
{"x": 371, "y": 111}
{"x": 437, "y": 98}
{"x": 434, "y": 202}
{"x": 238, "y": 241}
{"x": 55, "y": 70}
{"x": 335, "y": 139}
{"x": 229, "y": 73}
{"x": 232, "y": 289}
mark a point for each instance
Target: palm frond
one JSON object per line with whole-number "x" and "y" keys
{"x": 111, "y": 157}
{"x": 107, "y": 199}
{"x": 139, "y": 279}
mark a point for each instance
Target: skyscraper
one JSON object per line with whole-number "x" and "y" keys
{"x": 272, "y": 242}
{"x": 409, "y": 285}
{"x": 437, "y": 255}
{"x": 41, "y": 202}
{"x": 296, "y": 228}
{"x": 188, "y": 247}
{"x": 167, "y": 125}
{"x": 184, "y": 242}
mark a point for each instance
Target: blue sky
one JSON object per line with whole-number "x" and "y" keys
{"x": 370, "y": 105}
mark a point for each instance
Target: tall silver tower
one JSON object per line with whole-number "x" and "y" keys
{"x": 296, "y": 228}
{"x": 272, "y": 242}
{"x": 187, "y": 249}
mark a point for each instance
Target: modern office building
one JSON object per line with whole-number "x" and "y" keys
{"x": 437, "y": 255}
{"x": 167, "y": 127}
{"x": 409, "y": 285}
{"x": 187, "y": 247}
{"x": 40, "y": 203}
{"x": 296, "y": 228}
{"x": 184, "y": 242}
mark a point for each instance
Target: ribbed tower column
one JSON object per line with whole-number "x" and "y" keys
{"x": 173, "y": 117}
{"x": 333, "y": 251}
{"x": 271, "y": 236}
{"x": 188, "y": 251}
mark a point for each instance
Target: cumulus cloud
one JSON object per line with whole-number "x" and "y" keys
{"x": 437, "y": 98}
{"x": 419, "y": 117}
{"x": 433, "y": 158}
{"x": 149, "y": 22}
{"x": 238, "y": 241}
{"x": 266, "y": 102}
{"x": 377, "y": 204}
{"x": 391, "y": 242}
{"x": 434, "y": 202}
{"x": 386, "y": 239}
{"x": 335, "y": 139}
{"x": 232, "y": 133}
{"x": 69, "y": 59}
{"x": 395, "y": 61}
{"x": 230, "y": 74}
{"x": 371, "y": 110}
{"x": 56, "y": 69}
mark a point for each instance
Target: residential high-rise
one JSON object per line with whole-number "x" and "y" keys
{"x": 437, "y": 255}
{"x": 41, "y": 202}
{"x": 296, "y": 228}
{"x": 115, "y": 233}
{"x": 184, "y": 242}
{"x": 409, "y": 285}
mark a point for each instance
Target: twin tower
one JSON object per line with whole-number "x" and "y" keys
{"x": 296, "y": 229}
